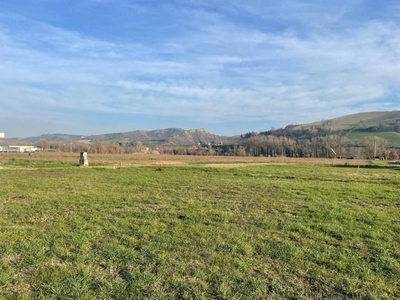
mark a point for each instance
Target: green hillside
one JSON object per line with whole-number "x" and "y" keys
{"x": 355, "y": 121}
{"x": 121, "y": 140}
{"x": 357, "y": 127}
{"x": 393, "y": 138}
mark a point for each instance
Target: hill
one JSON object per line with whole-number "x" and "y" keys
{"x": 383, "y": 119}
{"x": 169, "y": 136}
{"x": 357, "y": 127}
{"x": 56, "y": 137}
{"x": 351, "y": 134}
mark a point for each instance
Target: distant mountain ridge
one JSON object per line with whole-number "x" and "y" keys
{"x": 169, "y": 136}
{"x": 384, "y": 124}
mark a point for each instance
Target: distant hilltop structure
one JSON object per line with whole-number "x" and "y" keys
{"x": 2, "y": 135}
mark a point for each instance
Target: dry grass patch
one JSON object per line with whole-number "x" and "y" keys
{"x": 137, "y": 159}
{"x": 20, "y": 199}
{"x": 11, "y": 259}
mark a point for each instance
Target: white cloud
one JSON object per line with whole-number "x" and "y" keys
{"x": 215, "y": 69}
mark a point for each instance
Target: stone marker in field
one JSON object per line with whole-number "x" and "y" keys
{"x": 83, "y": 160}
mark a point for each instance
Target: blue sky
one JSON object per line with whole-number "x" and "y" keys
{"x": 229, "y": 66}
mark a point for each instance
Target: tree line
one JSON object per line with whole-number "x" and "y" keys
{"x": 267, "y": 144}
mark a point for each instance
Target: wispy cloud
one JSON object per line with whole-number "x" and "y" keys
{"x": 219, "y": 67}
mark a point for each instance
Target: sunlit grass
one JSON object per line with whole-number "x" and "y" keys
{"x": 194, "y": 231}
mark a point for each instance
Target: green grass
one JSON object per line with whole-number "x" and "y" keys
{"x": 118, "y": 140}
{"x": 393, "y": 138}
{"x": 293, "y": 231}
{"x": 368, "y": 119}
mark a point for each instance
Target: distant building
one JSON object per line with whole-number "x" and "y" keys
{"x": 2, "y": 135}
{"x": 19, "y": 149}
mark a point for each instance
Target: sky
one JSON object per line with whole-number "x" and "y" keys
{"x": 228, "y": 66}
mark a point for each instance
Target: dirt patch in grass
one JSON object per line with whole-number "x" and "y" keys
{"x": 20, "y": 199}
{"x": 23, "y": 288}
{"x": 11, "y": 259}
{"x": 153, "y": 207}
{"x": 372, "y": 205}
{"x": 42, "y": 218}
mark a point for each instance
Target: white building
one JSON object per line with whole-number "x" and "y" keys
{"x": 19, "y": 149}
{"x": 2, "y": 135}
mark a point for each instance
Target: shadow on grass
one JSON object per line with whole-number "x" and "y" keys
{"x": 393, "y": 166}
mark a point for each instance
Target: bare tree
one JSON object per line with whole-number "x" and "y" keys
{"x": 374, "y": 146}
{"x": 393, "y": 155}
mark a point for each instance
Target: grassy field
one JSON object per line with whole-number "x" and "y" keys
{"x": 169, "y": 227}
{"x": 392, "y": 138}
